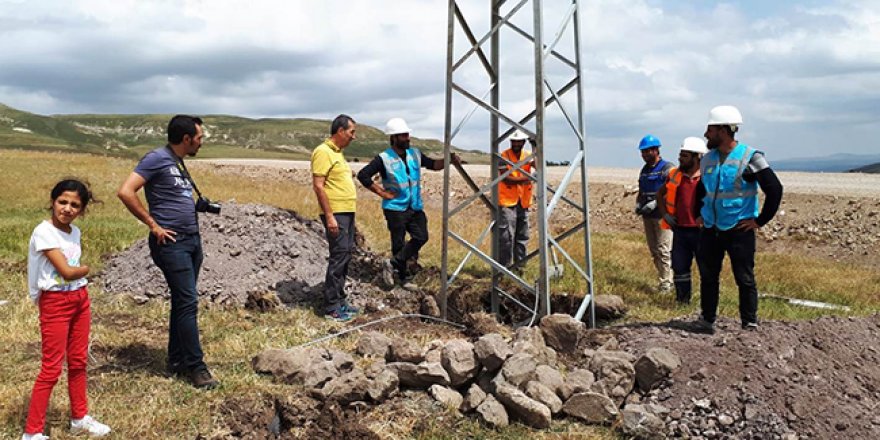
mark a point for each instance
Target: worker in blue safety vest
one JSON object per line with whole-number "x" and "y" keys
{"x": 399, "y": 167}
{"x": 652, "y": 177}
{"x": 727, "y": 206}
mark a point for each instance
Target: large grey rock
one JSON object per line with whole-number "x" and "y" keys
{"x": 591, "y": 408}
{"x": 615, "y": 375}
{"x": 492, "y": 350}
{"x": 538, "y": 391}
{"x": 551, "y": 378}
{"x": 446, "y": 396}
{"x": 460, "y": 361}
{"x": 642, "y": 424}
{"x": 309, "y": 366}
{"x": 561, "y": 331}
{"x": 528, "y": 410}
{"x": 519, "y": 369}
{"x": 657, "y": 364}
{"x": 473, "y": 398}
{"x": 383, "y": 386}
{"x": 318, "y": 373}
{"x": 610, "y": 307}
{"x": 340, "y": 359}
{"x": 530, "y": 340}
{"x": 493, "y": 413}
{"x": 577, "y": 381}
{"x": 283, "y": 364}
{"x": 419, "y": 376}
{"x": 374, "y": 344}
{"x": 347, "y": 388}
{"x": 432, "y": 351}
{"x": 403, "y": 350}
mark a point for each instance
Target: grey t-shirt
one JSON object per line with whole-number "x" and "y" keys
{"x": 169, "y": 192}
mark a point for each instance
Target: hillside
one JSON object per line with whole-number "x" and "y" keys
{"x": 874, "y": 168}
{"x": 834, "y": 163}
{"x": 227, "y": 136}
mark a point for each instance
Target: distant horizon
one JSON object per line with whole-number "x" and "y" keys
{"x": 870, "y": 158}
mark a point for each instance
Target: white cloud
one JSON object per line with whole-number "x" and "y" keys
{"x": 805, "y": 76}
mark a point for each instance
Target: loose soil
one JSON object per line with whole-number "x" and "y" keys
{"x": 253, "y": 249}
{"x": 818, "y": 379}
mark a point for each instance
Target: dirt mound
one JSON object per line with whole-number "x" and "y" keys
{"x": 817, "y": 379}
{"x": 252, "y": 249}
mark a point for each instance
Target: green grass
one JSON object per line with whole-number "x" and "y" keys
{"x": 130, "y": 136}
{"x": 128, "y": 340}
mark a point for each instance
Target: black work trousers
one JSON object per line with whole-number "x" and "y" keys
{"x": 341, "y": 247}
{"x": 740, "y": 245}
{"x": 399, "y": 224}
{"x": 685, "y": 242}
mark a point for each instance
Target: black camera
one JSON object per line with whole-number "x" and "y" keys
{"x": 203, "y": 204}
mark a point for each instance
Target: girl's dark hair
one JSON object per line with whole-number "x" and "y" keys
{"x": 79, "y": 187}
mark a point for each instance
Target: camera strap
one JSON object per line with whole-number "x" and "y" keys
{"x": 182, "y": 167}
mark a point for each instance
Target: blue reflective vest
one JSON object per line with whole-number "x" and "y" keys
{"x": 405, "y": 184}
{"x": 729, "y": 198}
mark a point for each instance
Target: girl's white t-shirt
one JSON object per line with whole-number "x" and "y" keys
{"x": 41, "y": 273}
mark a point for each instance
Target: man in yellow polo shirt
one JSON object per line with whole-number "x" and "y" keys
{"x": 334, "y": 187}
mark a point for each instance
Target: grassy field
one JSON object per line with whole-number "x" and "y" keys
{"x": 127, "y": 389}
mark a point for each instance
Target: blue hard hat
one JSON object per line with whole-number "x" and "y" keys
{"x": 649, "y": 141}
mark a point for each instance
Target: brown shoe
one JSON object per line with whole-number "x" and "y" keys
{"x": 202, "y": 379}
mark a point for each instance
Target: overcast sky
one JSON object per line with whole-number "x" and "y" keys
{"x": 806, "y": 74}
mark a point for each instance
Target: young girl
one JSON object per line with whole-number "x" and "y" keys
{"x": 57, "y": 283}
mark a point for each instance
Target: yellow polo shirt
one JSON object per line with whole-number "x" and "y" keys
{"x": 328, "y": 161}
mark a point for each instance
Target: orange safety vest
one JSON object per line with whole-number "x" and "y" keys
{"x": 671, "y": 189}
{"x": 509, "y": 195}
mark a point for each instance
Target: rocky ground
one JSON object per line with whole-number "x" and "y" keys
{"x": 814, "y": 379}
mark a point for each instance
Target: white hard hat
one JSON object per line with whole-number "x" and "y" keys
{"x": 518, "y": 136}
{"x": 396, "y": 126}
{"x": 725, "y": 115}
{"x": 694, "y": 145}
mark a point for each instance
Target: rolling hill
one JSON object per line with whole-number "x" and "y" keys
{"x": 227, "y": 136}
{"x": 835, "y": 163}
{"x": 874, "y": 168}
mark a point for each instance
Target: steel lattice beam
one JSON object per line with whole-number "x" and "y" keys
{"x": 544, "y": 96}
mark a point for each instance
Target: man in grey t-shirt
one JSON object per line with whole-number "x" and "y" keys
{"x": 175, "y": 244}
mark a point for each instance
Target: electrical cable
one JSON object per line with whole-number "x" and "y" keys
{"x": 377, "y": 321}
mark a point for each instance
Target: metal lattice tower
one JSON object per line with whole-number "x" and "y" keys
{"x": 502, "y": 123}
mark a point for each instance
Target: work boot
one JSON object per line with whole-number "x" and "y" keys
{"x": 350, "y": 309}
{"x": 202, "y": 379}
{"x": 703, "y": 326}
{"x": 408, "y": 284}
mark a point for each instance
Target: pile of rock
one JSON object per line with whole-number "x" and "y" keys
{"x": 495, "y": 379}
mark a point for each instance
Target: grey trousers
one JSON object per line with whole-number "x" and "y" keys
{"x": 660, "y": 244}
{"x": 341, "y": 247}
{"x": 514, "y": 230}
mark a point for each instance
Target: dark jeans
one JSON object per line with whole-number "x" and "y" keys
{"x": 740, "y": 245}
{"x": 341, "y": 247}
{"x": 180, "y": 262}
{"x": 685, "y": 242}
{"x": 399, "y": 223}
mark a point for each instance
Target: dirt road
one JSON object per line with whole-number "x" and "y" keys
{"x": 834, "y": 184}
